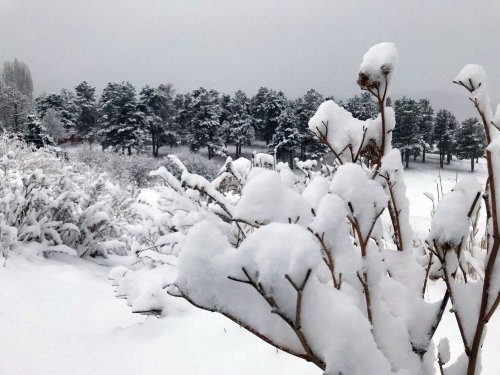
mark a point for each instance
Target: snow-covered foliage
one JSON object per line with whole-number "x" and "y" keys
{"x": 312, "y": 264}
{"x": 61, "y": 206}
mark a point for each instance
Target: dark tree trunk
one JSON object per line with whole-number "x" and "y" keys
{"x": 291, "y": 159}
{"x": 423, "y": 155}
{"x": 448, "y": 158}
{"x": 155, "y": 145}
{"x": 237, "y": 151}
{"x": 415, "y": 156}
{"x": 472, "y": 164}
{"x": 16, "y": 118}
{"x": 129, "y": 150}
{"x": 407, "y": 158}
{"x": 441, "y": 159}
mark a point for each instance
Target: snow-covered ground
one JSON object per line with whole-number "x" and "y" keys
{"x": 60, "y": 316}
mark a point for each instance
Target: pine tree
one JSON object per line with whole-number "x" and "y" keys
{"x": 362, "y": 107}
{"x": 444, "y": 127}
{"x": 305, "y": 108}
{"x": 63, "y": 103}
{"x": 170, "y": 132}
{"x": 406, "y": 135}
{"x": 120, "y": 119}
{"x": 287, "y": 136}
{"x": 470, "y": 141}
{"x": 205, "y": 130}
{"x": 86, "y": 119}
{"x": 258, "y": 110}
{"x": 183, "y": 116}
{"x": 157, "y": 108}
{"x": 35, "y": 133}
{"x": 242, "y": 131}
{"x": 267, "y": 106}
{"x": 425, "y": 124}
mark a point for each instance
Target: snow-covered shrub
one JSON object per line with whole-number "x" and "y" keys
{"x": 325, "y": 267}
{"x": 120, "y": 167}
{"x": 198, "y": 164}
{"x": 135, "y": 169}
{"x": 60, "y": 205}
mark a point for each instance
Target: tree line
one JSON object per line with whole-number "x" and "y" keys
{"x": 132, "y": 121}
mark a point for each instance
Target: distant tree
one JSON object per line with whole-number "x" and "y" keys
{"x": 86, "y": 107}
{"x": 183, "y": 117}
{"x": 425, "y": 124}
{"x": 205, "y": 129}
{"x": 53, "y": 125}
{"x": 362, "y": 106}
{"x": 305, "y": 108}
{"x": 266, "y": 107}
{"x": 17, "y": 75}
{"x": 406, "y": 135}
{"x": 241, "y": 131}
{"x": 16, "y": 92}
{"x": 14, "y": 107}
{"x": 444, "y": 127}
{"x": 225, "y": 108}
{"x": 258, "y": 110}
{"x": 287, "y": 136}
{"x": 35, "y": 133}
{"x": 120, "y": 120}
{"x": 470, "y": 141}
{"x": 63, "y": 103}
{"x": 157, "y": 107}
{"x": 167, "y": 112}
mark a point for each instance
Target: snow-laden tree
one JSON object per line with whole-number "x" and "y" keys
{"x": 287, "y": 136}
{"x": 63, "y": 103}
{"x": 205, "y": 126}
{"x": 157, "y": 107}
{"x": 266, "y": 107}
{"x": 470, "y": 141}
{"x": 120, "y": 120}
{"x": 237, "y": 122}
{"x": 305, "y": 107}
{"x": 323, "y": 266}
{"x": 54, "y": 126}
{"x": 407, "y": 136}
{"x": 443, "y": 137}
{"x": 35, "y": 133}
{"x": 16, "y": 91}
{"x": 362, "y": 107}
{"x": 425, "y": 125}
{"x": 86, "y": 105}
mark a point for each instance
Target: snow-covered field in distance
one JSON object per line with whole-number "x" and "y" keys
{"x": 59, "y": 316}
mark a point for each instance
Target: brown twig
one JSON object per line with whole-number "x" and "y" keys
{"x": 249, "y": 328}
{"x": 310, "y": 355}
{"x": 427, "y": 270}
{"x": 328, "y": 258}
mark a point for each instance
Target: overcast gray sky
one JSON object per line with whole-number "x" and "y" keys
{"x": 289, "y": 45}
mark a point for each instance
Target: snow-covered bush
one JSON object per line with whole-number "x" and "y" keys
{"x": 59, "y": 205}
{"x": 323, "y": 266}
{"x": 135, "y": 169}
